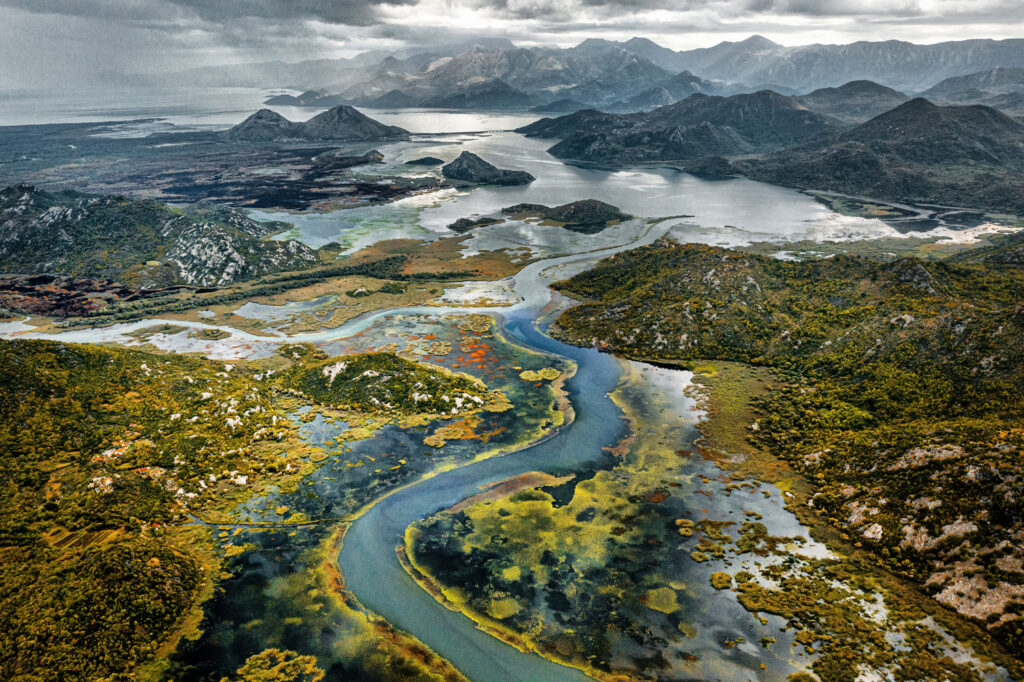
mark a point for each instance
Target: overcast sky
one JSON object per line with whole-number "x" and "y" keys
{"x": 64, "y": 42}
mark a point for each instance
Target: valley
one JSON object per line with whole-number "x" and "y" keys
{"x": 716, "y": 382}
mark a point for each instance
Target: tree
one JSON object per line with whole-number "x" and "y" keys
{"x": 275, "y": 665}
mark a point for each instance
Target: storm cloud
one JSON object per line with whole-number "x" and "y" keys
{"x": 71, "y": 41}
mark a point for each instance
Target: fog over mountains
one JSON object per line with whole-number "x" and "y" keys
{"x": 629, "y": 75}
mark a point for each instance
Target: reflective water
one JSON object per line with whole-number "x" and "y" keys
{"x": 723, "y": 212}
{"x": 210, "y": 108}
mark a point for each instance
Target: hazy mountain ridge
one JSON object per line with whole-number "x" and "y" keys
{"x": 1000, "y": 88}
{"x": 629, "y": 75}
{"x": 604, "y": 74}
{"x": 893, "y": 63}
{"x": 669, "y": 91}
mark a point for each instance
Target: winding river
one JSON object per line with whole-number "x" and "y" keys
{"x": 368, "y": 560}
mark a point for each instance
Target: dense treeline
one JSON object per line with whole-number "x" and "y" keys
{"x": 904, "y": 401}
{"x": 91, "y": 613}
{"x": 385, "y": 382}
{"x": 98, "y": 446}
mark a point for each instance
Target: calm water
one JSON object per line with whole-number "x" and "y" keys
{"x": 722, "y": 212}
{"x": 212, "y": 108}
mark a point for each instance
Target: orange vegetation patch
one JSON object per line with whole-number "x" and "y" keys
{"x": 463, "y": 429}
{"x": 656, "y": 497}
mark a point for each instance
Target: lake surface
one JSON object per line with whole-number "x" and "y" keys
{"x": 212, "y": 108}
{"x": 721, "y": 212}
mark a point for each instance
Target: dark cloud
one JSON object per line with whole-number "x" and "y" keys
{"x": 72, "y": 40}
{"x": 344, "y": 12}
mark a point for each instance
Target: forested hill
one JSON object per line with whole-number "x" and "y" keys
{"x": 955, "y": 156}
{"x": 902, "y": 392}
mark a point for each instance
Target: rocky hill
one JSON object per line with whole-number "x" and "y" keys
{"x": 701, "y": 125}
{"x": 264, "y": 125}
{"x": 586, "y": 215}
{"x": 1000, "y": 88}
{"x": 342, "y": 122}
{"x": 143, "y": 244}
{"x": 348, "y": 123}
{"x": 854, "y": 102}
{"x": 959, "y": 156}
{"x": 470, "y": 169}
{"x": 385, "y": 382}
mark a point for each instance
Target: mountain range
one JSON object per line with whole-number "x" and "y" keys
{"x": 951, "y": 155}
{"x": 904, "y": 66}
{"x": 700, "y": 125}
{"x": 623, "y": 76}
{"x": 917, "y": 151}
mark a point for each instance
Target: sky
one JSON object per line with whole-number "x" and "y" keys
{"x": 67, "y": 42}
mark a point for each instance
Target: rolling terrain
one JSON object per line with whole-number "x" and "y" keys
{"x": 144, "y": 244}
{"x": 899, "y": 397}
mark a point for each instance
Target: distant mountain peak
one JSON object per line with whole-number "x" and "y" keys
{"x": 916, "y": 104}
{"x": 757, "y": 41}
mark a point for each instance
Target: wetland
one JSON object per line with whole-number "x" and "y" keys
{"x": 397, "y": 463}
